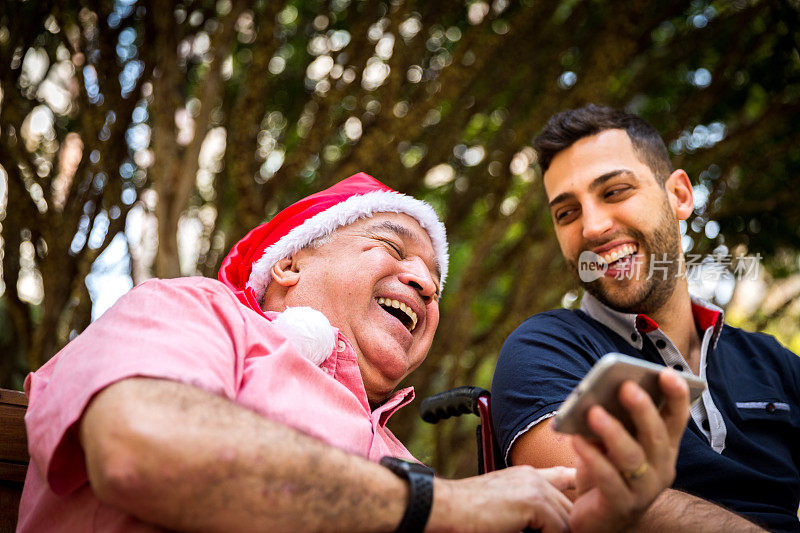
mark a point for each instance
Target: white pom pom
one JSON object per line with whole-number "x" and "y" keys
{"x": 309, "y": 331}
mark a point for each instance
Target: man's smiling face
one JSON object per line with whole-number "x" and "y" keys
{"x": 605, "y": 200}
{"x": 377, "y": 280}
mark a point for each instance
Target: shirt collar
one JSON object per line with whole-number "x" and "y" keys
{"x": 342, "y": 365}
{"x": 399, "y": 399}
{"x": 631, "y": 326}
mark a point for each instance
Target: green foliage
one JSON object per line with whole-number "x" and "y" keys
{"x": 438, "y": 99}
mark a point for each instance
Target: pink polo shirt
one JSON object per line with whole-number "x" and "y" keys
{"x": 192, "y": 330}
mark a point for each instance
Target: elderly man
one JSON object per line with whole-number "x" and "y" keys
{"x": 260, "y": 402}
{"x": 616, "y": 202}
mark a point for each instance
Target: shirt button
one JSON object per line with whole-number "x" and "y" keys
{"x": 634, "y": 337}
{"x": 340, "y": 346}
{"x": 678, "y": 367}
{"x": 706, "y": 425}
{"x": 770, "y": 407}
{"x": 660, "y": 344}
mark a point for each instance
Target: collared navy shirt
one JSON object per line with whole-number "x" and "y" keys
{"x": 641, "y": 329}
{"x": 754, "y": 386}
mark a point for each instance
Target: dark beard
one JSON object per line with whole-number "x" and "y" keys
{"x": 663, "y": 245}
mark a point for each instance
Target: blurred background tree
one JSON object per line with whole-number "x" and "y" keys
{"x": 142, "y": 138}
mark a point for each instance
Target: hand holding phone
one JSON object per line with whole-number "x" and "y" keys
{"x": 601, "y": 387}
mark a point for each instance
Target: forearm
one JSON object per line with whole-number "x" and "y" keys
{"x": 185, "y": 459}
{"x": 678, "y": 511}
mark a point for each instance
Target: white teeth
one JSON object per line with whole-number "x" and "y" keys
{"x": 403, "y": 307}
{"x": 623, "y": 251}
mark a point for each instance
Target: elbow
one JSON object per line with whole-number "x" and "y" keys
{"x": 117, "y": 479}
{"x": 116, "y": 451}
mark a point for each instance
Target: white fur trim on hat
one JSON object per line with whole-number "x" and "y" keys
{"x": 342, "y": 214}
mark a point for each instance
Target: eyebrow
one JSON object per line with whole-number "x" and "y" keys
{"x": 406, "y": 233}
{"x": 597, "y": 182}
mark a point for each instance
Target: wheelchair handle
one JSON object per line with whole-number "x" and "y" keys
{"x": 453, "y": 402}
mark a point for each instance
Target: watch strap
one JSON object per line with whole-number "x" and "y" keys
{"x": 420, "y": 498}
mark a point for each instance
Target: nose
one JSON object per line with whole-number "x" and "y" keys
{"x": 596, "y": 222}
{"x": 417, "y": 275}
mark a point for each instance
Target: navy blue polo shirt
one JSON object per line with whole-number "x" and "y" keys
{"x": 753, "y": 381}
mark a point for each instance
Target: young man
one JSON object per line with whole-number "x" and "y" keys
{"x": 260, "y": 402}
{"x": 615, "y": 203}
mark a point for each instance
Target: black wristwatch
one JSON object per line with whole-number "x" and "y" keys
{"x": 420, "y": 499}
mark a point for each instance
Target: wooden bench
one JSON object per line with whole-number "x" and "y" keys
{"x": 13, "y": 455}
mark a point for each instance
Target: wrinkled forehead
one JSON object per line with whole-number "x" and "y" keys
{"x": 401, "y": 226}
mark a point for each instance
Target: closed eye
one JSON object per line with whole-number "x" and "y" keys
{"x": 617, "y": 193}
{"x": 396, "y": 249}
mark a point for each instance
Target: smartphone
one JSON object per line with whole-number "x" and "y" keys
{"x": 601, "y": 387}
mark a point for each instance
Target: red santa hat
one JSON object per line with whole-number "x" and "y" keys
{"x": 246, "y": 269}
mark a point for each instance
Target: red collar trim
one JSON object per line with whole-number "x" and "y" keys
{"x": 705, "y": 318}
{"x": 645, "y": 324}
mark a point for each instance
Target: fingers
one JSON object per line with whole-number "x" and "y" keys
{"x": 584, "y": 478}
{"x": 511, "y": 500}
{"x": 622, "y": 474}
{"x": 651, "y": 431}
{"x": 560, "y": 477}
{"x": 676, "y": 407}
{"x": 645, "y": 463}
{"x": 550, "y": 520}
{"x": 622, "y": 449}
{"x": 658, "y": 433}
{"x": 611, "y": 504}
{"x": 557, "y": 510}
{"x": 656, "y": 429}
{"x": 604, "y": 475}
{"x": 562, "y": 504}
{"x": 553, "y": 507}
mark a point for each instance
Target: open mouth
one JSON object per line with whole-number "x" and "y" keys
{"x": 400, "y": 311}
{"x": 619, "y": 254}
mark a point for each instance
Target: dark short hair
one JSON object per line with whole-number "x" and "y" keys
{"x": 565, "y": 128}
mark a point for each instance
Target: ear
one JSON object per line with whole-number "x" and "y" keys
{"x": 680, "y": 193}
{"x": 285, "y": 272}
